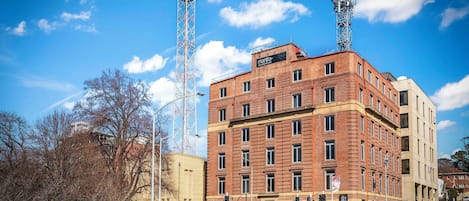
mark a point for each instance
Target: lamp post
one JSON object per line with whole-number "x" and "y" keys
{"x": 153, "y": 144}
{"x": 386, "y": 160}
{"x": 159, "y": 169}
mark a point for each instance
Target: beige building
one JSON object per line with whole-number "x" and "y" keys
{"x": 187, "y": 175}
{"x": 418, "y": 137}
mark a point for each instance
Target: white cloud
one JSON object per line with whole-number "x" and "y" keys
{"x": 152, "y": 64}
{"x": 453, "y": 95}
{"x": 198, "y": 144}
{"x": 86, "y": 28}
{"x": 83, "y": 15}
{"x": 452, "y": 14}
{"x": 162, "y": 90}
{"x": 445, "y": 124}
{"x": 261, "y": 42}
{"x": 19, "y": 30}
{"x": 402, "y": 78}
{"x": 263, "y": 12}
{"x": 69, "y": 105}
{"x": 45, "y": 26}
{"x": 391, "y": 11}
{"x": 214, "y": 1}
{"x": 65, "y": 102}
{"x": 37, "y": 82}
{"x": 214, "y": 60}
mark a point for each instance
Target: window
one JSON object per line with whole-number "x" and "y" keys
{"x": 379, "y": 106}
{"x": 297, "y": 75}
{"x": 330, "y": 150}
{"x": 296, "y": 152}
{"x": 362, "y": 124}
{"x": 270, "y": 83}
{"x": 371, "y": 100}
{"x": 389, "y": 93}
{"x": 221, "y": 138}
{"x": 270, "y": 183}
{"x": 245, "y": 110}
{"x": 270, "y": 156}
{"x": 296, "y": 100}
{"x": 360, "y": 95}
{"x": 296, "y": 127}
{"x": 329, "y": 123}
{"x": 247, "y": 86}
{"x": 221, "y": 185}
{"x": 329, "y": 175}
{"x": 245, "y": 134}
{"x": 245, "y": 184}
{"x": 395, "y": 99}
{"x": 377, "y": 83}
{"x": 360, "y": 69}
{"x": 372, "y": 129}
{"x": 403, "y": 98}
{"x": 329, "y": 69}
{"x": 406, "y": 166}
{"x": 405, "y": 143}
{"x": 369, "y": 76}
{"x": 362, "y": 150}
{"x": 373, "y": 182}
{"x": 245, "y": 158}
{"x": 329, "y": 95}
{"x": 385, "y": 110}
{"x": 222, "y": 114}
{"x": 222, "y": 92}
{"x": 372, "y": 153}
{"x": 405, "y": 120}
{"x": 270, "y": 130}
{"x": 296, "y": 181}
{"x": 271, "y": 105}
{"x": 362, "y": 176}
{"x": 221, "y": 161}
{"x": 384, "y": 88}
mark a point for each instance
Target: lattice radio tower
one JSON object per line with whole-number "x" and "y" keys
{"x": 344, "y": 12}
{"x": 185, "y": 120}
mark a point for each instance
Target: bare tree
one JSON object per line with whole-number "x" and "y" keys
{"x": 116, "y": 105}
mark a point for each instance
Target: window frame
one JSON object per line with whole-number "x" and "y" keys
{"x": 245, "y": 155}
{"x": 270, "y": 156}
{"x": 297, "y": 75}
{"x": 270, "y": 131}
{"x": 246, "y": 110}
{"x": 329, "y": 150}
{"x": 221, "y": 161}
{"x": 221, "y": 138}
{"x": 222, "y": 115}
{"x": 270, "y": 105}
{"x": 246, "y": 86}
{"x": 245, "y": 135}
{"x": 329, "y": 95}
{"x": 296, "y": 127}
{"x": 296, "y": 153}
{"x": 296, "y": 100}
{"x": 270, "y": 83}
{"x": 329, "y": 68}
{"x": 329, "y": 123}
{"x": 297, "y": 181}
{"x": 222, "y": 92}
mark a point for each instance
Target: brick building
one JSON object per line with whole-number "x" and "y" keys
{"x": 295, "y": 125}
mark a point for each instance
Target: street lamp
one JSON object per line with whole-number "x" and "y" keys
{"x": 153, "y": 145}
{"x": 386, "y": 160}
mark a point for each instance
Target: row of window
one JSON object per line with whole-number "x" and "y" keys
{"x": 379, "y": 184}
{"x": 270, "y": 83}
{"x": 387, "y": 92}
{"x": 404, "y": 100}
{"x": 389, "y": 137}
{"x": 381, "y": 108}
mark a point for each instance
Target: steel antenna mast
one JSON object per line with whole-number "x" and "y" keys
{"x": 344, "y": 12}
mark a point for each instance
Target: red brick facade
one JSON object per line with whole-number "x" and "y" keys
{"x": 347, "y": 109}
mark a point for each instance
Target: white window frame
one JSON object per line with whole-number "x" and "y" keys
{"x": 222, "y": 92}
{"x": 270, "y": 131}
{"x": 246, "y": 110}
{"x": 296, "y": 127}
{"x": 221, "y": 161}
{"x": 329, "y": 95}
{"x": 221, "y": 138}
{"x": 296, "y": 181}
{"x": 222, "y": 115}
{"x": 297, "y": 75}
{"x": 296, "y": 153}
{"x": 329, "y": 68}
{"x": 296, "y": 100}
{"x": 270, "y": 105}
{"x": 270, "y": 156}
{"x": 245, "y": 135}
{"x": 247, "y": 86}
{"x": 329, "y": 150}
{"x": 270, "y": 83}
{"x": 245, "y": 158}
{"x": 329, "y": 123}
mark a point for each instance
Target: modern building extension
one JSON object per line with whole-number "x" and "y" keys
{"x": 298, "y": 127}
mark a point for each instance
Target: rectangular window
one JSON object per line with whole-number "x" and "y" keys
{"x": 362, "y": 176}
{"x": 329, "y": 175}
{"x": 296, "y": 127}
{"x": 360, "y": 95}
{"x": 405, "y": 143}
{"x": 222, "y": 114}
{"x": 362, "y": 150}
{"x": 372, "y": 153}
{"x": 362, "y": 124}
{"x": 403, "y": 98}
{"x": 329, "y": 69}
{"x": 270, "y": 83}
{"x": 247, "y": 86}
{"x": 270, "y": 183}
{"x": 246, "y": 110}
{"x": 405, "y": 120}
{"x": 221, "y": 185}
{"x": 372, "y": 129}
{"x": 271, "y": 105}
{"x": 296, "y": 100}
{"x": 371, "y": 100}
{"x": 383, "y": 86}
{"x": 221, "y": 138}
{"x": 395, "y": 99}
{"x": 245, "y": 134}
{"x": 329, "y": 123}
{"x": 245, "y": 184}
{"x": 245, "y": 158}
{"x": 406, "y": 166}
{"x": 270, "y": 131}
{"x": 270, "y": 155}
{"x": 379, "y": 106}
{"x": 330, "y": 150}
{"x": 296, "y": 153}
{"x": 329, "y": 95}
{"x": 385, "y": 110}
{"x": 221, "y": 161}
{"x": 297, "y": 75}
{"x": 377, "y": 82}
{"x": 369, "y": 76}
{"x": 360, "y": 69}
{"x": 222, "y": 92}
{"x": 296, "y": 181}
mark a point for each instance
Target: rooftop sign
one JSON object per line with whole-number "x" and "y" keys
{"x": 272, "y": 59}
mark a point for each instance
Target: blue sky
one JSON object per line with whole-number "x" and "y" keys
{"x": 47, "y": 50}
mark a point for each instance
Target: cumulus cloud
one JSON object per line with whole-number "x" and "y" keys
{"x": 152, "y": 64}
{"x": 453, "y": 95}
{"x": 261, "y": 42}
{"x": 86, "y": 28}
{"x": 83, "y": 15}
{"x": 213, "y": 60}
{"x": 445, "y": 124}
{"x": 19, "y": 30}
{"x": 45, "y": 26}
{"x": 390, "y": 11}
{"x": 452, "y": 14}
{"x": 162, "y": 90}
{"x": 263, "y": 12}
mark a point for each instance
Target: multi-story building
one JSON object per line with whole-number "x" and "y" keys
{"x": 297, "y": 126}
{"x": 457, "y": 179}
{"x": 418, "y": 136}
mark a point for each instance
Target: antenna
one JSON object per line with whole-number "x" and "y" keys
{"x": 343, "y": 13}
